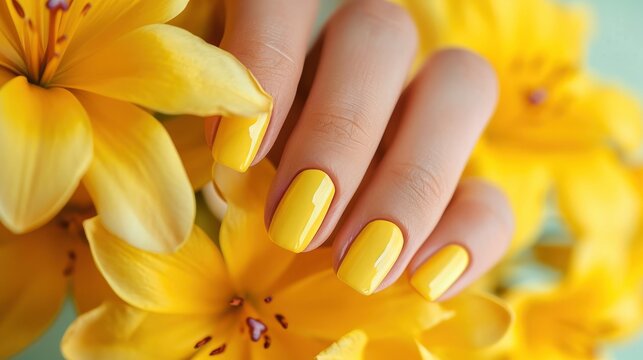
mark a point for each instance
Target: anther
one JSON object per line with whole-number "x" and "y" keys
{"x": 202, "y": 342}
{"x": 218, "y": 350}
{"x": 19, "y": 9}
{"x": 85, "y": 9}
{"x": 282, "y": 321}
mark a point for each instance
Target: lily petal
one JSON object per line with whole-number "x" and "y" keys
{"x": 104, "y": 21}
{"x": 32, "y": 285}
{"x": 396, "y": 348}
{"x": 169, "y": 70}
{"x": 187, "y": 134}
{"x": 524, "y": 180}
{"x": 479, "y": 320}
{"x": 253, "y": 260}
{"x": 597, "y": 197}
{"x": 339, "y": 309}
{"x": 45, "y": 148}
{"x": 348, "y": 347}
{"x": 192, "y": 280}
{"x": 136, "y": 179}
{"x": 119, "y": 331}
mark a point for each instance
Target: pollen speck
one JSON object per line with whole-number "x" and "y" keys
{"x": 202, "y": 342}
{"x": 218, "y": 350}
{"x": 267, "y": 299}
{"x": 236, "y": 301}
{"x": 266, "y": 342}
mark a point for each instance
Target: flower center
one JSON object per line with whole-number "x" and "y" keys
{"x": 42, "y": 58}
{"x": 257, "y": 327}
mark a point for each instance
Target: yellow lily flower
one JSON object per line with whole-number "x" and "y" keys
{"x": 598, "y": 301}
{"x": 38, "y": 268}
{"x": 72, "y": 78}
{"x": 556, "y": 128}
{"x": 246, "y": 298}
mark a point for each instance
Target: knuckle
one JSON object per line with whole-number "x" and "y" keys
{"x": 268, "y": 53}
{"x": 422, "y": 185}
{"x": 382, "y": 15}
{"x": 344, "y": 124}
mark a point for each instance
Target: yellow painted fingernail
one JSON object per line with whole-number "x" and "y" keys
{"x": 440, "y": 271}
{"x": 371, "y": 256}
{"x": 238, "y": 140}
{"x": 302, "y": 210}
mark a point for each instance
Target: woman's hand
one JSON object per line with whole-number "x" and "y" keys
{"x": 363, "y": 137}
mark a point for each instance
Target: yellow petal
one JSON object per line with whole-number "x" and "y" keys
{"x": 339, "y": 309}
{"x": 394, "y": 348}
{"x": 136, "y": 179}
{"x": 108, "y": 20}
{"x": 119, "y": 331}
{"x": 88, "y": 286}
{"x": 525, "y": 181}
{"x": 479, "y": 320}
{"x": 32, "y": 285}
{"x": 167, "y": 69}
{"x": 621, "y": 115}
{"x": 192, "y": 280}
{"x": 45, "y": 148}
{"x": 596, "y": 196}
{"x": 187, "y": 133}
{"x": 255, "y": 262}
{"x": 348, "y": 347}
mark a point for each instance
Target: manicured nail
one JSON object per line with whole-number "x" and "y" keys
{"x": 302, "y": 210}
{"x": 440, "y": 271}
{"x": 238, "y": 139}
{"x": 371, "y": 256}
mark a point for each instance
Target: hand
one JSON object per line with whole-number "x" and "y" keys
{"x": 363, "y": 137}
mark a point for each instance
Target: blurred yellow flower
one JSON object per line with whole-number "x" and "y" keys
{"x": 36, "y": 270}
{"x": 248, "y": 298}
{"x": 556, "y": 131}
{"x": 71, "y": 76}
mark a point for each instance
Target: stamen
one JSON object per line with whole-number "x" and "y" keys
{"x": 202, "y": 342}
{"x": 282, "y": 321}
{"x": 236, "y": 301}
{"x": 266, "y": 342}
{"x": 257, "y": 328}
{"x": 267, "y": 299}
{"x": 218, "y": 350}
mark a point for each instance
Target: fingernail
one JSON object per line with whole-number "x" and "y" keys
{"x": 440, "y": 271}
{"x": 238, "y": 139}
{"x": 371, "y": 256}
{"x": 302, "y": 210}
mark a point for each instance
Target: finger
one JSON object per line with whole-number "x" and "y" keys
{"x": 471, "y": 237}
{"x": 270, "y": 37}
{"x": 448, "y": 105}
{"x": 367, "y": 52}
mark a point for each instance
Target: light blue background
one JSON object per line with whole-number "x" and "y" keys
{"x": 616, "y": 54}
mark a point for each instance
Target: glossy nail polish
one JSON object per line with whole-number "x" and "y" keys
{"x": 302, "y": 210}
{"x": 440, "y": 271}
{"x": 371, "y": 256}
{"x": 238, "y": 139}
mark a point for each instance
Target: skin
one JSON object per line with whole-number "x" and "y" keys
{"x": 394, "y": 149}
